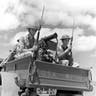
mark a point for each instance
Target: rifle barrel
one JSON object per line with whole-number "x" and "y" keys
{"x": 40, "y": 24}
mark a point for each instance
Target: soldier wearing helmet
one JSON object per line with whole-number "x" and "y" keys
{"x": 64, "y": 52}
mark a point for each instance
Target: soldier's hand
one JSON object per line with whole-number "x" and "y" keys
{"x": 35, "y": 47}
{"x": 69, "y": 47}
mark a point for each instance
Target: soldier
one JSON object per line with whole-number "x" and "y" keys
{"x": 64, "y": 52}
{"x": 25, "y": 44}
{"x": 30, "y": 37}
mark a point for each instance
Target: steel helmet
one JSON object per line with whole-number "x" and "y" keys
{"x": 65, "y": 37}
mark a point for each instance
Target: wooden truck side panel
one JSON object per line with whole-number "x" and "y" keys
{"x": 52, "y": 75}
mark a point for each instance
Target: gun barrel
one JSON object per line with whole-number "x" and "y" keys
{"x": 50, "y": 37}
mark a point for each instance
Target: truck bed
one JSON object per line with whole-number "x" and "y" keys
{"x": 52, "y": 75}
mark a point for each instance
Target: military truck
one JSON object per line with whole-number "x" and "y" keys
{"x": 49, "y": 78}
{"x": 46, "y": 78}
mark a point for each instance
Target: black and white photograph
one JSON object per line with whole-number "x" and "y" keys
{"x": 47, "y": 47}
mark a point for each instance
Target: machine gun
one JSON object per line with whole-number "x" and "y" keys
{"x": 44, "y": 44}
{"x": 48, "y": 38}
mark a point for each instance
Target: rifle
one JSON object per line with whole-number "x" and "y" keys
{"x": 40, "y": 25}
{"x": 38, "y": 34}
{"x": 71, "y": 40}
{"x": 31, "y": 70}
{"x": 10, "y": 56}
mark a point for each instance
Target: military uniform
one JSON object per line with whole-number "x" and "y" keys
{"x": 29, "y": 39}
{"x": 20, "y": 45}
{"x": 25, "y": 43}
{"x": 65, "y": 53}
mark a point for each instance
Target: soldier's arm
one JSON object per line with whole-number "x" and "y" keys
{"x": 26, "y": 50}
{"x": 34, "y": 48}
{"x": 63, "y": 54}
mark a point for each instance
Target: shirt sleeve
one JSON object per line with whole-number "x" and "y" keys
{"x": 20, "y": 47}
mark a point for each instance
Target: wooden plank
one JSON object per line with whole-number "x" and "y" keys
{"x": 20, "y": 64}
{"x": 52, "y": 74}
{"x": 58, "y": 75}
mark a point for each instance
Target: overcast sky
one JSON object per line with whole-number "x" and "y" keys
{"x": 58, "y": 17}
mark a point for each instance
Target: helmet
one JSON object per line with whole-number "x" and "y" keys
{"x": 65, "y": 37}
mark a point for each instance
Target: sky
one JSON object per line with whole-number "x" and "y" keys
{"x": 61, "y": 16}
